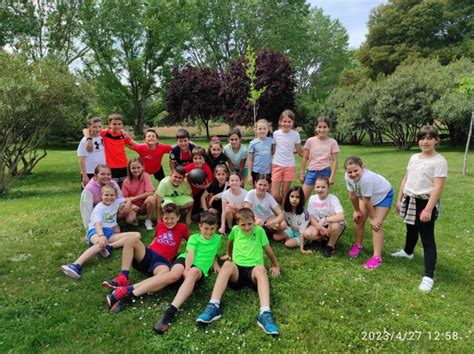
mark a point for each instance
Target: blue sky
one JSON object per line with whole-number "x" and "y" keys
{"x": 353, "y": 14}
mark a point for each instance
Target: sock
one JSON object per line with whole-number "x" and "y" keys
{"x": 215, "y": 302}
{"x": 130, "y": 289}
{"x": 171, "y": 310}
{"x": 264, "y": 309}
{"x": 125, "y": 272}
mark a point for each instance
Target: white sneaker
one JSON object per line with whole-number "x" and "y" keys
{"x": 148, "y": 225}
{"x": 426, "y": 284}
{"x": 402, "y": 254}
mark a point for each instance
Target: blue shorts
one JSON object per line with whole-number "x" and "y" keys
{"x": 311, "y": 175}
{"x": 108, "y": 233}
{"x": 387, "y": 201}
{"x": 293, "y": 234}
{"x": 150, "y": 261}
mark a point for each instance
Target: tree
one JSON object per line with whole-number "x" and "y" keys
{"x": 134, "y": 47}
{"x": 254, "y": 93}
{"x": 405, "y": 101}
{"x": 43, "y": 28}
{"x": 466, "y": 87}
{"x": 35, "y": 96}
{"x": 274, "y": 72}
{"x": 404, "y": 29}
{"x": 193, "y": 94}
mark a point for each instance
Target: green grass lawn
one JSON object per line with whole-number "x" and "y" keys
{"x": 320, "y": 304}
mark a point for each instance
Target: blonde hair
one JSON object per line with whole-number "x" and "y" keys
{"x": 108, "y": 187}
{"x": 115, "y": 116}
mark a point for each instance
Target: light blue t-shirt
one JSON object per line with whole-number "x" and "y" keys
{"x": 262, "y": 155}
{"x": 236, "y": 157}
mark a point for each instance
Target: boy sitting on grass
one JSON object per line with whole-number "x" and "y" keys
{"x": 200, "y": 256}
{"x": 247, "y": 242}
{"x": 155, "y": 261}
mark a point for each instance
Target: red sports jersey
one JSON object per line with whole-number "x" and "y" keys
{"x": 167, "y": 241}
{"x": 114, "y": 145}
{"x": 152, "y": 158}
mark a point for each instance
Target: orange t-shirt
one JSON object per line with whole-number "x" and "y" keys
{"x": 114, "y": 146}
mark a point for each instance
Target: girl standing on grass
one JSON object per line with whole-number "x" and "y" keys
{"x": 285, "y": 141}
{"x": 215, "y": 155}
{"x": 372, "y": 196}
{"x": 296, "y": 217}
{"x": 104, "y": 233}
{"x": 260, "y": 153}
{"x": 211, "y": 199}
{"x": 267, "y": 212}
{"x": 236, "y": 154}
{"x": 327, "y": 218}
{"x": 418, "y": 201}
{"x": 138, "y": 188}
{"x": 321, "y": 151}
{"x": 232, "y": 200}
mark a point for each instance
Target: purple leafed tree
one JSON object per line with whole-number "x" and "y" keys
{"x": 193, "y": 94}
{"x": 273, "y": 71}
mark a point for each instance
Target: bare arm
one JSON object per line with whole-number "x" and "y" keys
{"x": 280, "y": 217}
{"x": 275, "y": 269}
{"x": 333, "y": 167}
{"x": 304, "y": 161}
{"x": 250, "y": 165}
{"x": 82, "y": 166}
{"x": 204, "y": 200}
{"x": 188, "y": 262}
{"x": 87, "y": 133}
{"x": 434, "y": 197}
{"x": 299, "y": 149}
{"x": 400, "y": 192}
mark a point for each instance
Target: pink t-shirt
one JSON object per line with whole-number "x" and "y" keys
{"x": 320, "y": 152}
{"x": 134, "y": 187}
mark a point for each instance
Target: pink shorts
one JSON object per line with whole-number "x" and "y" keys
{"x": 286, "y": 174}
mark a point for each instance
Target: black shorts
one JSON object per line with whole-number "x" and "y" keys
{"x": 150, "y": 261}
{"x": 182, "y": 262}
{"x": 160, "y": 174}
{"x": 119, "y": 175}
{"x": 245, "y": 279}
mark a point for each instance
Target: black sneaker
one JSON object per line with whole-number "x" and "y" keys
{"x": 329, "y": 251}
{"x": 324, "y": 241}
{"x": 163, "y": 324}
{"x": 121, "y": 304}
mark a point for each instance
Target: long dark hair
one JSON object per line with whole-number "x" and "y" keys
{"x": 287, "y": 205}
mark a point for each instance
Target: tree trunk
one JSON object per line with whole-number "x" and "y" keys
{"x": 139, "y": 117}
{"x": 206, "y": 124}
{"x": 464, "y": 165}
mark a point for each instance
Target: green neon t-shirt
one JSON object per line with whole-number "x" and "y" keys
{"x": 247, "y": 249}
{"x": 205, "y": 251}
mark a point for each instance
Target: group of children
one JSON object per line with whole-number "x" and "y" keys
{"x": 249, "y": 218}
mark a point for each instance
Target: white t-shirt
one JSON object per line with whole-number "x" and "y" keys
{"x": 285, "y": 147}
{"x": 326, "y": 207}
{"x": 421, "y": 172}
{"x": 106, "y": 214}
{"x": 236, "y": 157}
{"x": 297, "y": 222}
{"x": 261, "y": 207}
{"x": 370, "y": 185}
{"x": 230, "y": 197}
{"x": 94, "y": 158}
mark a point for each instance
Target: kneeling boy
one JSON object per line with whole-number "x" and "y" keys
{"x": 246, "y": 242}
{"x": 154, "y": 261}
{"x": 200, "y": 256}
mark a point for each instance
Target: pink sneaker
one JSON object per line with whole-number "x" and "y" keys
{"x": 355, "y": 250}
{"x": 373, "y": 262}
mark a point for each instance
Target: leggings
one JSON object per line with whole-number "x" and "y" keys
{"x": 426, "y": 232}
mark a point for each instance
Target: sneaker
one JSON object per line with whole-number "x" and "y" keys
{"x": 163, "y": 324}
{"x": 72, "y": 270}
{"x": 211, "y": 313}
{"x": 373, "y": 262}
{"x": 118, "y": 281}
{"x": 324, "y": 242}
{"x": 148, "y": 225}
{"x": 355, "y": 250}
{"x": 402, "y": 254}
{"x": 106, "y": 251}
{"x": 122, "y": 304}
{"x": 265, "y": 321}
{"x": 116, "y": 295}
{"x": 426, "y": 284}
{"x": 329, "y": 251}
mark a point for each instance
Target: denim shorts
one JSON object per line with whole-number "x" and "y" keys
{"x": 387, "y": 201}
{"x": 311, "y": 175}
{"x": 293, "y": 234}
{"x": 108, "y": 233}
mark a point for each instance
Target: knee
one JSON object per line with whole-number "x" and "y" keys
{"x": 194, "y": 273}
{"x": 174, "y": 276}
{"x": 260, "y": 271}
{"x": 228, "y": 266}
{"x": 133, "y": 239}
